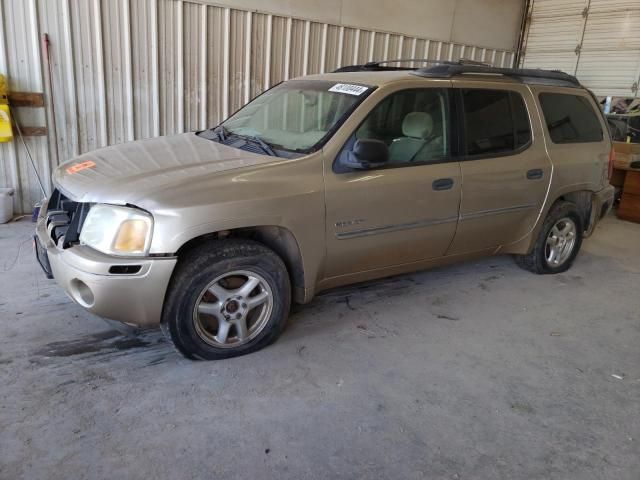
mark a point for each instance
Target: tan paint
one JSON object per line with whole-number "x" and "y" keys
{"x": 348, "y": 227}
{"x": 499, "y": 204}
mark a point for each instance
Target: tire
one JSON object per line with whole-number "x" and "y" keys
{"x": 208, "y": 316}
{"x": 537, "y": 261}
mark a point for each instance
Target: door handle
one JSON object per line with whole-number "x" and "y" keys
{"x": 535, "y": 174}
{"x": 442, "y": 184}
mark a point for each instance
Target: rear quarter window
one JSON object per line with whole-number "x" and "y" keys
{"x": 570, "y": 118}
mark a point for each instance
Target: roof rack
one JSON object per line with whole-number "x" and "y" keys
{"x": 524, "y": 75}
{"x": 448, "y": 69}
{"x": 381, "y": 66}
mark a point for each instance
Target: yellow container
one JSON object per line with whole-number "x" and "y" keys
{"x": 6, "y": 132}
{"x": 4, "y": 90}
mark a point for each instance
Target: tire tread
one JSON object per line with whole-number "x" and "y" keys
{"x": 534, "y": 261}
{"x": 206, "y": 256}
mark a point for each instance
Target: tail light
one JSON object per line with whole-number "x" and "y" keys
{"x": 612, "y": 159}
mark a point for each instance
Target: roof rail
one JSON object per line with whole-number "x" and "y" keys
{"x": 524, "y": 75}
{"x": 380, "y": 66}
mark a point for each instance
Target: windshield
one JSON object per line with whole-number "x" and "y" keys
{"x": 298, "y": 115}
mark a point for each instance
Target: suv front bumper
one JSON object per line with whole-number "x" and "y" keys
{"x": 84, "y": 274}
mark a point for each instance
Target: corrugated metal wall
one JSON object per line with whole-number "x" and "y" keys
{"x": 129, "y": 69}
{"x": 596, "y": 40}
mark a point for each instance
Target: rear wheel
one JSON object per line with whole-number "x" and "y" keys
{"x": 558, "y": 243}
{"x": 227, "y": 298}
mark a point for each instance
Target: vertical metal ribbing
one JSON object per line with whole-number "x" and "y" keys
{"x": 225, "y": 62}
{"x": 372, "y": 46}
{"x": 204, "y": 14}
{"x": 356, "y": 46}
{"x": 12, "y": 146}
{"x": 248, "y": 35}
{"x": 414, "y": 45}
{"x": 267, "y": 53}
{"x": 155, "y": 68}
{"x": 287, "y": 48}
{"x": 99, "y": 56}
{"x": 439, "y": 51}
{"x": 340, "y": 45}
{"x": 180, "y": 63}
{"x": 73, "y": 137}
{"x": 386, "y": 47}
{"x": 323, "y": 48}
{"x": 128, "y": 65}
{"x": 305, "y": 48}
{"x": 53, "y": 157}
{"x": 44, "y": 163}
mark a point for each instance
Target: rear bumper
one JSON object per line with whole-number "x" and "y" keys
{"x": 601, "y": 204}
{"x": 85, "y": 276}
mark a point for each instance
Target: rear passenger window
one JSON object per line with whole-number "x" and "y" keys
{"x": 570, "y": 118}
{"x": 496, "y": 122}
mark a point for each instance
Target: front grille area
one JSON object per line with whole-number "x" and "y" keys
{"x": 65, "y": 218}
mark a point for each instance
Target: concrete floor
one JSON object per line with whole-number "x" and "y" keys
{"x": 477, "y": 371}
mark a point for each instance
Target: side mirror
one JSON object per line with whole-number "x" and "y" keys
{"x": 367, "y": 153}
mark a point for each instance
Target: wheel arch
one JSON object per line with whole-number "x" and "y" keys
{"x": 279, "y": 239}
{"x": 582, "y": 198}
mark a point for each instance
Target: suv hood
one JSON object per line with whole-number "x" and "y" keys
{"x": 133, "y": 171}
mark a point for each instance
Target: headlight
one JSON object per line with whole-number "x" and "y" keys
{"x": 117, "y": 230}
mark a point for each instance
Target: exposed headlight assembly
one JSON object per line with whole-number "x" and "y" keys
{"x": 117, "y": 230}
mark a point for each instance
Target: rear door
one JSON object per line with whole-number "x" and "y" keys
{"x": 505, "y": 167}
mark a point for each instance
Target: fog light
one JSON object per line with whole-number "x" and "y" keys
{"x": 81, "y": 293}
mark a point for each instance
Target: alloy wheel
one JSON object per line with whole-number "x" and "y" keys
{"x": 233, "y": 309}
{"x": 560, "y": 242}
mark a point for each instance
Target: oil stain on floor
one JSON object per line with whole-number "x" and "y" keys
{"x": 107, "y": 344}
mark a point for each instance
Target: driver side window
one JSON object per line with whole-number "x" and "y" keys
{"x": 413, "y": 124}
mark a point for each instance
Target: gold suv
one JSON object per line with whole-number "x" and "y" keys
{"x": 323, "y": 181}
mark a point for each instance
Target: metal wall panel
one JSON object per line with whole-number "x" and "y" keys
{"x": 597, "y": 40}
{"x": 140, "y": 61}
{"x": 117, "y": 73}
{"x": 19, "y": 50}
{"x": 130, "y": 69}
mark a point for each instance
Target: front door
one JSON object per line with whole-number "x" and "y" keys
{"x": 407, "y": 210}
{"x": 505, "y": 173}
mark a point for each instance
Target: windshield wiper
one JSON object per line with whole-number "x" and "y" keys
{"x": 264, "y": 145}
{"x": 254, "y": 139}
{"x": 221, "y": 133}
{"x": 215, "y": 134}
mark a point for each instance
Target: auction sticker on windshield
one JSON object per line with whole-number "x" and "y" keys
{"x": 348, "y": 88}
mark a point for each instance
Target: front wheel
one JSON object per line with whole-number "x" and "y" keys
{"x": 227, "y": 298}
{"x": 558, "y": 243}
